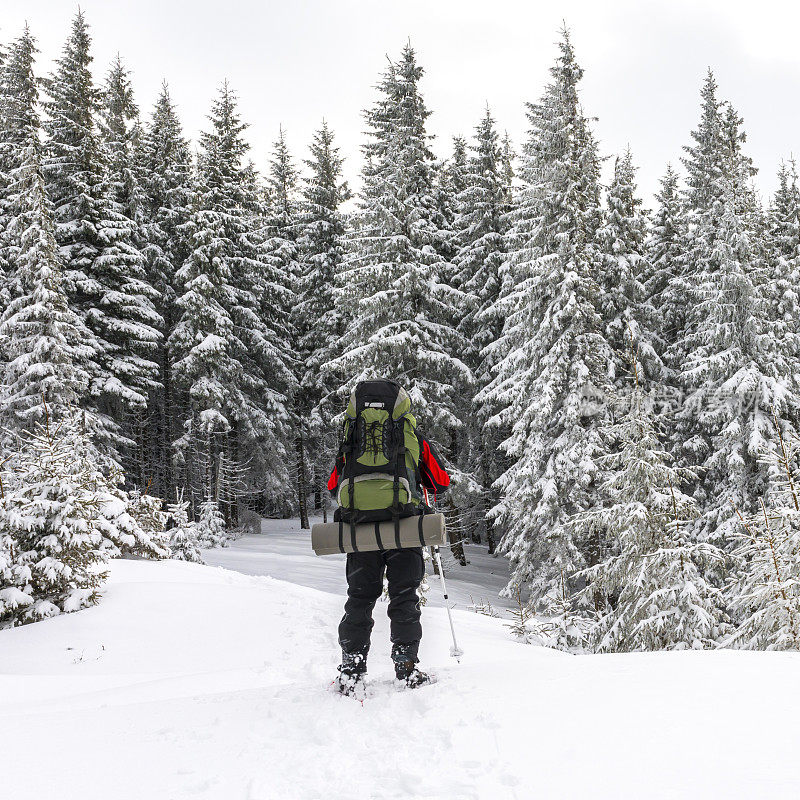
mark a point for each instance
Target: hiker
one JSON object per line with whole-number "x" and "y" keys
{"x": 383, "y": 471}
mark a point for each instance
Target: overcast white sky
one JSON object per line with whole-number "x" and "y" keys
{"x": 295, "y": 62}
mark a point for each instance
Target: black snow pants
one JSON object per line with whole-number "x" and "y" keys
{"x": 405, "y": 570}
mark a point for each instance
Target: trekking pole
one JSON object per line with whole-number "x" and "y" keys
{"x": 455, "y": 651}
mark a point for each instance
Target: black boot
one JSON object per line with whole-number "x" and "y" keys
{"x": 405, "y": 666}
{"x": 351, "y": 673}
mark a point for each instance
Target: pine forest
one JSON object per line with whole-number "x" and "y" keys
{"x": 615, "y": 389}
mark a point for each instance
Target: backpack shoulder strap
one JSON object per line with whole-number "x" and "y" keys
{"x": 399, "y": 456}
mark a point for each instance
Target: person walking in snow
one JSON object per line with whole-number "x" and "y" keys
{"x": 383, "y": 471}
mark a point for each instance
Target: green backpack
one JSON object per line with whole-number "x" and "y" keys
{"x": 378, "y": 459}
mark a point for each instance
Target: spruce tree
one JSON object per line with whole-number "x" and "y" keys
{"x": 481, "y": 227}
{"x": 103, "y": 266}
{"x": 451, "y": 182}
{"x": 147, "y": 511}
{"x": 507, "y": 158}
{"x": 281, "y": 252}
{"x": 7, "y": 149}
{"x": 210, "y": 528}
{"x": 783, "y": 266}
{"x": 767, "y": 595}
{"x": 52, "y": 510}
{"x": 665, "y": 282}
{"x": 623, "y": 268}
{"x": 182, "y": 533}
{"x": 733, "y": 370}
{"x": 44, "y": 342}
{"x": 233, "y": 374}
{"x": 129, "y": 323}
{"x": 653, "y": 574}
{"x": 318, "y": 327}
{"x": 550, "y": 381}
{"x": 400, "y": 314}
{"x": 164, "y": 167}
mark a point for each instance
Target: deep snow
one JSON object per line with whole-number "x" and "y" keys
{"x": 191, "y": 681}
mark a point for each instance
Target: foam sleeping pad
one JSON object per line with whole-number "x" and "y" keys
{"x": 420, "y": 531}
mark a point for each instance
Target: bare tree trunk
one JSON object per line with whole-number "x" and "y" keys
{"x": 302, "y": 486}
{"x": 433, "y": 562}
{"x": 317, "y": 490}
{"x": 167, "y": 418}
{"x": 456, "y": 533}
{"x": 490, "y": 537}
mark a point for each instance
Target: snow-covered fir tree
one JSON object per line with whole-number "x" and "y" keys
{"x": 127, "y": 320}
{"x": 126, "y": 522}
{"x": 550, "y": 381}
{"x": 182, "y": 532}
{"x": 451, "y": 182}
{"x": 481, "y": 226}
{"x": 43, "y": 340}
{"x": 13, "y": 600}
{"x": 649, "y": 589}
{"x": 318, "y": 327}
{"x": 121, "y": 133}
{"x": 665, "y": 283}
{"x": 507, "y": 158}
{"x": 281, "y": 252}
{"x": 73, "y": 167}
{"x": 783, "y": 260}
{"x": 7, "y": 148}
{"x": 210, "y": 529}
{"x": 233, "y": 374}
{"x": 51, "y": 508}
{"x": 623, "y": 266}
{"x": 561, "y": 626}
{"x": 103, "y": 266}
{"x": 767, "y": 596}
{"x": 732, "y": 367}
{"x": 147, "y": 511}
{"x": 164, "y": 167}
{"x": 400, "y": 314}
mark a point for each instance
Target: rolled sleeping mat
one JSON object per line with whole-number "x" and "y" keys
{"x": 422, "y": 530}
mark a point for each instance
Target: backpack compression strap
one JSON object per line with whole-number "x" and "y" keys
{"x": 399, "y": 457}
{"x": 346, "y": 449}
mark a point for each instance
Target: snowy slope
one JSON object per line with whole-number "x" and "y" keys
{"x": 196, "y": 682}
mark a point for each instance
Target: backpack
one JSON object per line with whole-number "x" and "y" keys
{"x": 378, "y": 460}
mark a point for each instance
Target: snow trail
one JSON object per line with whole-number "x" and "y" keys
{"x": 191, "y": 681}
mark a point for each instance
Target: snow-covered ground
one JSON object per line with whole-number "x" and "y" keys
{"x": 191, "y": 681}
{"x": 284, "y": 551}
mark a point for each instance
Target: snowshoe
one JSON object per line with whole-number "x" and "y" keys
{"x": 405, "y": 667}
{"x": 413, "y": 678}
{"x": 350, "y": 684}
{"x": 351, "y": 675}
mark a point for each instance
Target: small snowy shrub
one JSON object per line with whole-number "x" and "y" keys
{"x": 560, "y": 626}
{"x": 131, "y": 523}
{"x": 52, "y": 525}
{"x": 211, "y": 531}
{"x": 183, "y": 533}
{"x": 483, "y": 607}
{"x": 520, "y": 615}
